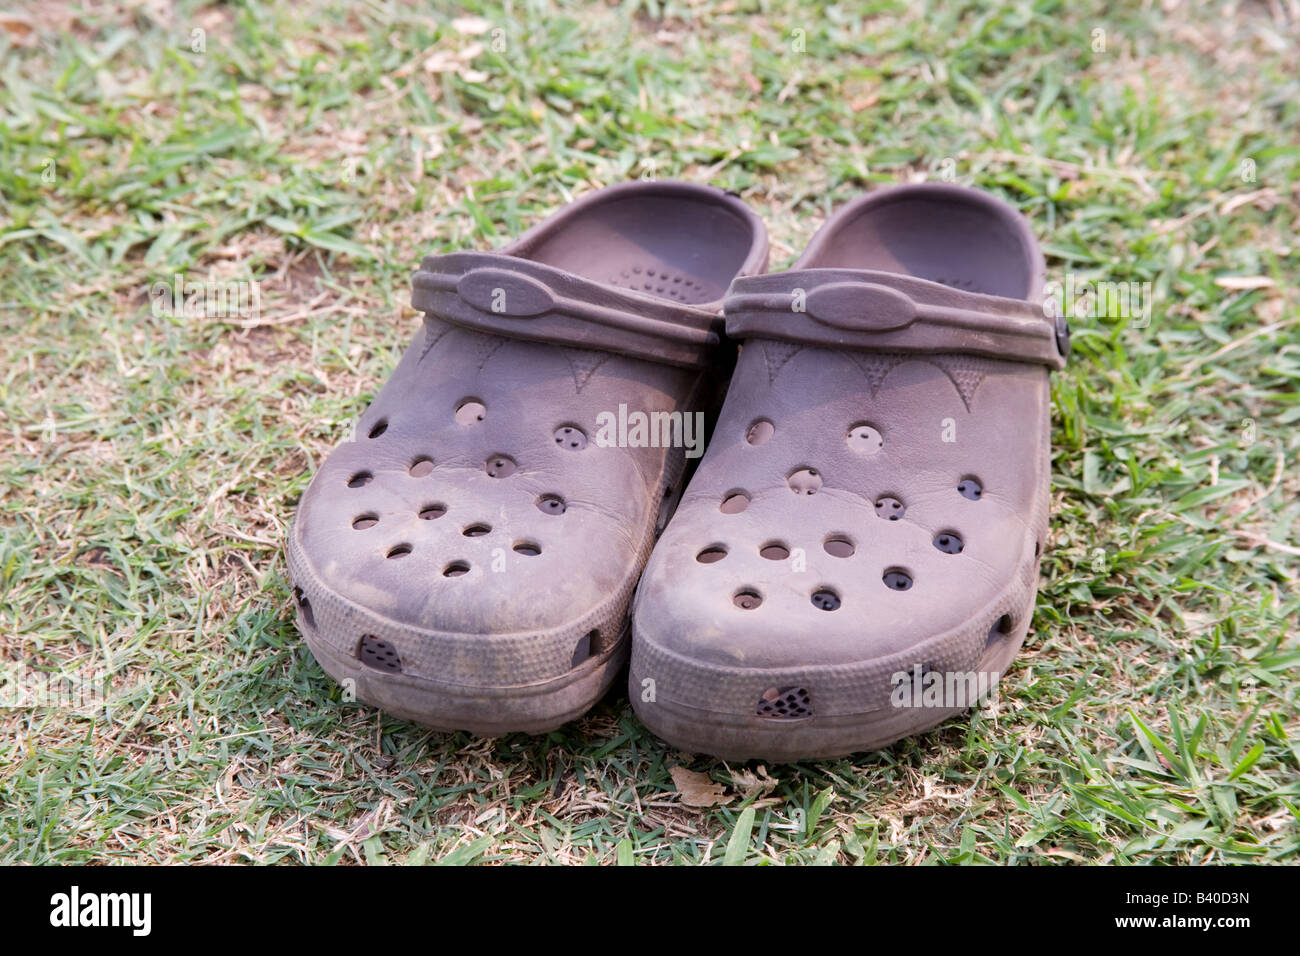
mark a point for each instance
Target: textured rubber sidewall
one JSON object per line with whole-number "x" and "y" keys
{"x": 729, "y": 736}
{"x": 486, "y": 712}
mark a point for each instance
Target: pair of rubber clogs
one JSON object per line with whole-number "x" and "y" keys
{"x": 854, "y": 558}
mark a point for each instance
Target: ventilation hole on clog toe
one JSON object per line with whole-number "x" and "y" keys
{"x": 734, "y": 503}
{"x": 399, "y": 551}
{"x": 500, "y": 466}
{"x": 570, "y": 438}
{"x": 378, "y": 654}
{"x": 784, "y": 703}
{"x": 455, "y": 569}
{"x": 1038, "y": 548}
{"x": 890, "y": 507}
{"x": 747, "y": 599}
{"x": 712, "y": 554}
{"x": 379, "y": 428}
{"x": 477, "y": 530}
{"x": 430, "y": 512}
{"x": 970, "y": 488}
{"x": 805, "y": 481}
{"x": 1000, "y": 629}
{"x": 897, "y": 579}
{"x": 865, "y": 439}
{"x": 551, "y": 505}
{"x": 421, "y": 467}
{"x": 774, "y": 551}
{"x": 760, "y": 431}
{"x": 362, "y": 522}
{"x": 948, "y": 542}
{"x": 360, "y": 479}
{"x": 528, "y": 549}
{"x": 470, "y": 411}
{"x": 839, "y": 547}
{"x": 826, "y": 599}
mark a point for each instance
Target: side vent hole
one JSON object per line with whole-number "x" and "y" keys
{"x": 304, "y": 607}
{"x": 914, "y": 679}
{"x": 1000, "y": 629}
{"x": 588, "y": 645}
{"x": 378, "y": 654}
{"x": 785, "y": 703}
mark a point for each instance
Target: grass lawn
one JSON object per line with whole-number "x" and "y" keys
{"x": 151, "y": 464}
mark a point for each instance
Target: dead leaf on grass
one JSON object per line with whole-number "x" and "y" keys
{"x": 471, "y": 26}
{"x": 697, "y": 790}
{"x": 754, "y": 784}
{"x": 1242, "y": 283}
{"x": 16, "y": 24}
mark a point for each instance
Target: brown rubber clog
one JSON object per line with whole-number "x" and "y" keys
{"x": 467, "y": 560}
{"x": 868, "y": 520}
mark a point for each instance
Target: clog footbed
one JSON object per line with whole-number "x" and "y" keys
{"x": 467, "y": 559}
{"x": 872, "y": 508}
